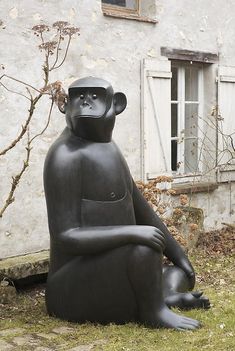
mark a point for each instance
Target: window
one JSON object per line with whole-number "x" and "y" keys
{"x": 177, "y": 124}
{"x": 132, "y": 5}
{"x": 186, "y": 107}
{"x": 144, "y": 11}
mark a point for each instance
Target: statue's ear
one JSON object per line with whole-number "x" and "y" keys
{"x": 120, "y": 102}
{"x": 62, "y": 102}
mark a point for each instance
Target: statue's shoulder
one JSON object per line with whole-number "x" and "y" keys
{"x": 65, "y": 150}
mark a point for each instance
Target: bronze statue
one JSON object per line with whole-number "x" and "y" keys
{"x": 106, "y": 242}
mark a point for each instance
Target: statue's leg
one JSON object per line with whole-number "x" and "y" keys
{"x": 119, "y": 286}
{"x": 93, "y": 288}
{"x": 176, "y": 288}
{"x": 145, "y": 273}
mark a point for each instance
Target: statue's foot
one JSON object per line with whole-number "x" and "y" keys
{"x": 168, "y": 319}
{"x": 187, "y": 301}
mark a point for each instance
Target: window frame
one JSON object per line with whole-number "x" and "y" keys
{"x": 181, "y": 102}
{"x": 116, "y": 11}
{"x": 120, "y": 10}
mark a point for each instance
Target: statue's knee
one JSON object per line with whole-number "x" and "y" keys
{"x": 144, "y": 253}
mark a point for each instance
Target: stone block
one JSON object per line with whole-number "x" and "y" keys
{"x": 24, "y": 266}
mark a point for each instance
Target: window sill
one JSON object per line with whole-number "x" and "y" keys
{"x": 129, "y": 16}
{"x": 190, "y": 188}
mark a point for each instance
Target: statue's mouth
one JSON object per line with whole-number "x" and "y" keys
{"x": 87, "y": 116}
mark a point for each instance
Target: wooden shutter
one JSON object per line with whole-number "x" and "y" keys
{"x": 156, "y": 118}
{"x": 226, "y": 123}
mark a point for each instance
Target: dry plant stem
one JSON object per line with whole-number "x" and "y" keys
{"x": 20, "y": 81}
{"x": 65, "y": 55}
{"x": 47, "y": 123}
{"x": 15, "y": 180}
{"x": 57, "y": 53}
{"x": 33, "y": 102}
{"x": 23, "y": 130}
{"x": 13, "y": 91}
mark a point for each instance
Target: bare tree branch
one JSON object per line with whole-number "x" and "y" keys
{"x": 47, "y": 123}
{"x": 16, "y": 179}
{"x": 19, "y": 81}
{"x": 23, "y": 130}
{"x": 13, "y": 91}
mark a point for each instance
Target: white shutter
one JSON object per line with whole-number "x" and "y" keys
{"x": 226, "y": 124}
{"x": 156, "y": 118}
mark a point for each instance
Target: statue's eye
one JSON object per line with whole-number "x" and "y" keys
{"x": 82, "y": 96}
{"x": 94, "y": 96}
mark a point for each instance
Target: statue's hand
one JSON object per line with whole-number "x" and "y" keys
{"x": 186, "y": 266}
{"x": 149, "y": 236}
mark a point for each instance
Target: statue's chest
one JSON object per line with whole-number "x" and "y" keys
{"x": 105, "y": 176}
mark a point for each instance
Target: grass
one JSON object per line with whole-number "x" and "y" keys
{"x": 215, "y": 278}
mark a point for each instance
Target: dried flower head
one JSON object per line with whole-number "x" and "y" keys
{"x": 49, "y": 46}
{"x": 163, "y": 178}
{"x": 177, "y": 212}
{"x": 183, "y": 199}
{"x": 193, "y": 227}
{"x": 60, "y": 25}
{"x": 57, "y": 92}
{"x": 70, "y": 31}
{"x": 40, "y": 28}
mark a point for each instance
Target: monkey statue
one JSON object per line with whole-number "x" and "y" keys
{"x": 107, "y": 244}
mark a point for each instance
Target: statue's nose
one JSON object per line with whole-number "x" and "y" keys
{"x": 85, "y": 103}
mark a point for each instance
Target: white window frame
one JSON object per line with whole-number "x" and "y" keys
{"x": 145, "y": 11}
{"x": 180, "y": 175}
{"x": 121, "y": 9}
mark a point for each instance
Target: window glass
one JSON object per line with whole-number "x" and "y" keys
{"x": 174, "y": 84}
{"x": 191, "y": 83}
{"x": 130, "y": 4}
{"x": 174, "y": 120}
{"x": 191, "y": 138}
{"x": 174, "y": 150}
{"x": 185, "y": 107}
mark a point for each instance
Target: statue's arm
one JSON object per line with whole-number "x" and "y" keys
{"x": 62, "y": 182}
{"x": 94, "y": 240}
{"x": 146, "y": 216}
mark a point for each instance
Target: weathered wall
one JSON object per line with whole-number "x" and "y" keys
{"x": 107, "y": 47}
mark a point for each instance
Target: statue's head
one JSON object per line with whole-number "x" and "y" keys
{"x": 91, "y": 108}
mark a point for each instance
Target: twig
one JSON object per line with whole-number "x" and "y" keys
{"x": 65, "y": 55}
{"x": 23, "y": 131}
{"x": 20, "y": 81}
{"x": 232, "y": 226}
{"x": 16, "y": 179}
{"x": 47, "y": 123}
{"x": 57, "y": 53}
{"x": 13, "y": 91}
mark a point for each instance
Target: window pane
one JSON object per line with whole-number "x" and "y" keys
{"x": 191, "y": 138}
{"x": 174, "y": 120}
{"x": 191, "y": 83}
{"x": 130, "y": 4}
{"x": 115, "y": 2}
{"x": 174, "y": 146}
{"x": 174, "y": 84}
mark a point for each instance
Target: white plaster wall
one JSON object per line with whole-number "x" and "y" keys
{"x": 108, "y": 47}
{"x": 218, "y": 206}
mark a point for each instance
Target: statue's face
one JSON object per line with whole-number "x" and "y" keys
{"x": 88, "y": 102}
{"x": 91, "y": 108}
